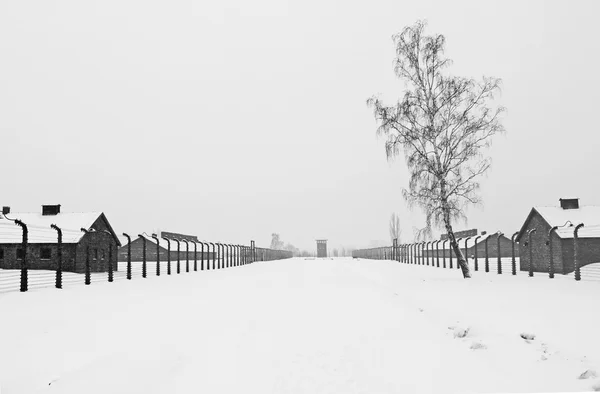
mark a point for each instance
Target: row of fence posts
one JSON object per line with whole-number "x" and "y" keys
{"x": 233, "y": 255}
{"x": 418, "y": 253}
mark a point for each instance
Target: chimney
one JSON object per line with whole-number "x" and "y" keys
{"x": 569, "y": 203}
{"x": 5, "y": 210}
{"x": 50, "y": 210}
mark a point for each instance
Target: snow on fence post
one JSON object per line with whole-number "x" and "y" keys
{"x": 487, "y": 259}
{"x": 514, "y": 261}
{"x": 87, "y": 259}
{"x": 128, "y": 255}
{"x": 476, "y": 264}
{"x": 437, "y": 253}
{"x": 25, "y": 235}
{"x": 423, "y": 252}
{"x": 58, "y": 257}
{"x": 531, "y": 231}
{"x": 499, "y": 234}
{"x": 576, "y": 252}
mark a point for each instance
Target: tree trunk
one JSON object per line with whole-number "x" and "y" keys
{"x": 462, "y": 263}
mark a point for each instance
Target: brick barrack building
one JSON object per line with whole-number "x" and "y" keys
{"x": 565, "y": 217}
{"x": 137, "y": 248}
{"x": 43, "y": 240}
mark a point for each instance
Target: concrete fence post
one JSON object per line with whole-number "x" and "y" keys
{"x": 576, "y": 252}
{"x": 128, "y": 255}
{"x": 499, "y": 234}
{"x": 168, "y": 255}
{"x": 530, "y": 245}
{"x": 475, "y": 263}
{"x": 59, "y": 257}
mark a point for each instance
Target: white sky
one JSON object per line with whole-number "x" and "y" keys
{"x": 232, "y": 120}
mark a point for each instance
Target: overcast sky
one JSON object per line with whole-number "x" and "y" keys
{"x": 232, "y": 120}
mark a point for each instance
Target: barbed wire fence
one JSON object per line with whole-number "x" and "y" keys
{"x": 198, "y": 256}
{"x": 428, "y": 253}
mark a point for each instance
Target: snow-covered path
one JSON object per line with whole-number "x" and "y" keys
{"x": 302, "y": 326}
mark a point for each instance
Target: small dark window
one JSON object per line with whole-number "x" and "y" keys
{"x": 20, "y": 253}
{"x": 1, "y": 254}
{"x": 103, "y": 254}
{"x": 95, "y": 253}
{"x": 45, "y": 254}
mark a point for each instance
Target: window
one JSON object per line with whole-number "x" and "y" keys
{"x": 103, "y": 254}
{"x": 45, "y": 254}
{"x": 95, "y": 253}
{"x": 1, "y": 254}
{"x": 20, "y": 253}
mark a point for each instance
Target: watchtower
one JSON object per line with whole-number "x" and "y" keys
{"x": 321, "y": 248}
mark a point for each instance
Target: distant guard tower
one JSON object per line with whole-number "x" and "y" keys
{"x": 321, "y": 248}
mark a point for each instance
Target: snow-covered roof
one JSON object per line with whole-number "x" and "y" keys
{"x": 39, "y": 230}
{"x": 588, "y": 215}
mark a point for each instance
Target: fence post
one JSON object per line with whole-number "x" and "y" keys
{"x": 576, "y": 252}
{"x": 195, "y": 256}
{"x": 487, "y": 260}
{"x": 514, "y": 261}
{"x": 59, "y": 257}
{"x": 87, "y": 260}
{"x": 168, "y": 255}
{"x": 187, "y": 255}
{"x": 450, "y": 251}
{"x": 499, "y": 234}
{"x": 128, "y": 255}
{"x": 24, "y": 279}
{"x": 178, "y": 256}
{"x": 110, "y": 266}
{"x": 143, "y": 255}
{"x": 476, "y": 264}
{"x": 157, "y": 254}
{"x": 467, "y": 251}
{"x": 533, "y": 230}
{"x": 202, "y": 256}
{"x": 444, "y": 253}
{"x": 213, "y": 259}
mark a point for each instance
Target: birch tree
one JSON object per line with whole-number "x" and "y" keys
{"x": 442, "y": 125}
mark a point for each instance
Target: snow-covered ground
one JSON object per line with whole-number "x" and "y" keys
{"x": 304, "y": 326}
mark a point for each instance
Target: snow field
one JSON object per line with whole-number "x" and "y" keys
{"x": 302, "y": 326}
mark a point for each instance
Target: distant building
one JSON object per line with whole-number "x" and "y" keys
{"x": 321, "y": 248}
{"x": 43, "y": 240}
{"x": 565, "y": 217}
{"x": 137, "y": 248}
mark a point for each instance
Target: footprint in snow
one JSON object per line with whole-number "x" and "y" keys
{"x": 589, "y": 374}
{"x": 478, "y": 346}
{"x": 461, "y": 332}
{"x": 528, "y": 337}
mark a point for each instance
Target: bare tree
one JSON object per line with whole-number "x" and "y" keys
{"x": 276, "y": 243}
{"x": 395, "y": 231}
{"x": 442, "y": 124}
